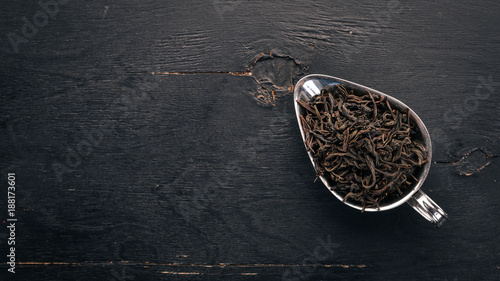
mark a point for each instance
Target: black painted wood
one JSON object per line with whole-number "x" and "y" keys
{"x": 147, "y": 143}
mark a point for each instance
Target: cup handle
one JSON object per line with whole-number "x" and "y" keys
{"x": 424, "y": 205}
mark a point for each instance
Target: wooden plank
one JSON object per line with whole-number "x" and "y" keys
{"x": 127, "y": 170}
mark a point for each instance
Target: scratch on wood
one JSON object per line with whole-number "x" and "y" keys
{"x": 245, "y": 73}
{"x": 181, "y": 273}
{"x": 249, "y": 274}
{"x": 49, "y": 264}
{"x": 106, "y": 8}
{"x": 220, "y": 265}
{"x": 347, "y": 266}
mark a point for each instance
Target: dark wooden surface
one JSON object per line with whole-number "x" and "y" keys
{"x": 141, "y": 154}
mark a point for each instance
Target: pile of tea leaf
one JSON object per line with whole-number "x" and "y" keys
{"x": 367, "y": 148}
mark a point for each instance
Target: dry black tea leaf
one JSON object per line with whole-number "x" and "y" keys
{"x": 365, "y": 147}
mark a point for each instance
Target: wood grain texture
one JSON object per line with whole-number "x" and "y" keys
{"x": 123, "y": 174}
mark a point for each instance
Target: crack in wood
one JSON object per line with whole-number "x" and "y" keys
{"x": 486, "y": 155}
{"x": 268, "y": 91}
{"x": 472, "y": 162}
{"x": 193, "y": 265}
{"x": 234, "y": 73}
{"x": 181, "y": 273}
